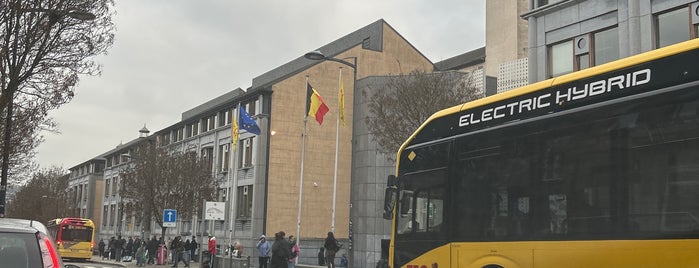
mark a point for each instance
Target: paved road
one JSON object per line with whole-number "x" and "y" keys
{"x": 97, "y": 262}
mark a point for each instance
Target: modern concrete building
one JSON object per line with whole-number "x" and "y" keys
{"x": 568, "y": 35}
{"x": 85, "y": 190}
{"x": 506, "y": 43}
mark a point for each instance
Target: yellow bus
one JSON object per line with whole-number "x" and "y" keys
{"x": 597, "y": 168}
{"x": 74, "y": 237}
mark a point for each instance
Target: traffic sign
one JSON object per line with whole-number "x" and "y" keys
{"x": 169, "y": 218}
{"x": 215, "y": 211}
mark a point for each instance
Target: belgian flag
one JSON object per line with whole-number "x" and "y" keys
{"x": 315, "y": 105}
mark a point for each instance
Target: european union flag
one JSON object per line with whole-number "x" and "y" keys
{"x": 247, "y": 122}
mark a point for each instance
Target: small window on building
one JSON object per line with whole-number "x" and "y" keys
{"x": 244, "y": 207}
{"x": 606, "y": 46}
{"x": 583, "y": 61}
{"x": 223, "y": 157}
{"x": 245, "y": 153}
{"x": 561, "y": 58}
{"x": 672, "y": 27}
{"x": 366, "y": 43}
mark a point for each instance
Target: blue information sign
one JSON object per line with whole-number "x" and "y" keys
{"x": 169, "y": 218}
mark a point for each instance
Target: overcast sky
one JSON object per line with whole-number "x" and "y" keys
{"x": 172, "y": 55}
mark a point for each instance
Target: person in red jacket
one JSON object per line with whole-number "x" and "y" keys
{"x": 212, "y": 249}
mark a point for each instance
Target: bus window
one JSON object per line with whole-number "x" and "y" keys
{"x": 421, "y": 204}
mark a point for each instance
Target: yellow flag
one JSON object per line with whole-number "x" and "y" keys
{"x": 342, "y": 101}
{"x": 234, "y": 133}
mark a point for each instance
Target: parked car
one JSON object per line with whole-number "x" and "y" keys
{"x": 26, "y": 244}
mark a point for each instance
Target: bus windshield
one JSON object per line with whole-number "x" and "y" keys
{"x": 76, "y": 233}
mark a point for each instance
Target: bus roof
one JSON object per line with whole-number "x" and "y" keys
{"x": 556, "y": 81}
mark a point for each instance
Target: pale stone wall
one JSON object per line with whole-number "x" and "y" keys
{"x": 287, "y": 112}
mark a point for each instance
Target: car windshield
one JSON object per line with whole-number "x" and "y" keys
{"x": 19, "y": 250}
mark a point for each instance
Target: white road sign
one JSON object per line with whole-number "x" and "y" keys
{"x": 215, "y": 211}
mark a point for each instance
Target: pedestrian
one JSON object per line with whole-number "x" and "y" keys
{"x": 263, "y": 249}
{"x": 100, "y": 247}
{"x": 112, "y": 248}
{"x": 187, "y": 250}
{"x": 141, "y": 254}
{"x": 280, "y": 251}
{"x": 152, "y": 248}
{"x": 237, "y": 249}
{"x": 343, "y": 261}
{"x": 294, "y": 250}
{"x": 321, "y": 256}
{"x": 212, "y": 250}
{"x": 178, "y": 252}
{"x": 331, "y": 247}
{"x": 193, "y": 248}
{"x": 119, "y": 248}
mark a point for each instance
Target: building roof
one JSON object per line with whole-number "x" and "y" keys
{"x": 470, "y": 58}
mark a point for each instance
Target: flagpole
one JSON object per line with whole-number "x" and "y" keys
{"x": 303, "y": 153}
{"x": 233, "y": 172}
{"x": 337, "y": 143}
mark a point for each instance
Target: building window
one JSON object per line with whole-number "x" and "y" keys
{"x": 672, "y": 27}
{"x": 207, "y": 156}
{"x": 542, "y": 3}
{"x": 223, "y": 157}
{"x": 223, "y": 118}
{"x": 583, "y": 52}
{"x": 561, "y": 58}
{"x": 105, "y": 213}
{"x": 245, "y": 153}
{"x": 606, "y": 47}
{"x": 106, "y": 188}
{"x": 244, "y": 207}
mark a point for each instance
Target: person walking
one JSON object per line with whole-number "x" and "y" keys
{"x": 281, "y": 252}
{"x": 295, "y": 251}
{"x": 100, "y": 247}
{"x": 212, "y": 250}
{"x": 152, "y": 248}
{"x": 331, "y": 247}
{"x": 178, "y": 252}
{"x": 263, "y": 250}
{"x": 119, "y": 248}
{"x": 112, "y": 248}
{"x": 141, "y": 254}
{"x": 193, "y": 248}
{"x": 187, "y": 250}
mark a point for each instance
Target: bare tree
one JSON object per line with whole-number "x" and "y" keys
{"x": 406, "y": 101}
{"x": 161, "y": 179}
{"x": 44, "y": 46}
{"x": 42, "y": 198}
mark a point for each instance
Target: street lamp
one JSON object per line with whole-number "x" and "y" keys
{"x": 54, "y": 16}
{"x": 319, "y": 56}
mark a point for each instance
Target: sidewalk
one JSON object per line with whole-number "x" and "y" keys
{"x": 97, "y": 259}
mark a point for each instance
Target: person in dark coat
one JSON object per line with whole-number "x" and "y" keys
{"x": 152, "y": 247}
{"x": 100, "y": 247}
{"x": 281, "y": 252}
{"x": 112, "y": 248}
{"x": 331, "y": 247}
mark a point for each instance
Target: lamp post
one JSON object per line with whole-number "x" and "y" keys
{"x": 12, "y": 86}
{"x": 319, "y": 56}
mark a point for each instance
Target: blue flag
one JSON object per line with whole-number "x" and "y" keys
{"x": 248, "y": 123}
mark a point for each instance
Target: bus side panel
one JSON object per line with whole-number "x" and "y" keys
{"x": 620, "y": 254}
{"x": 439, "y": 257}
{"x": 574, "y": 254}
{"x": 480, "y": 255}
